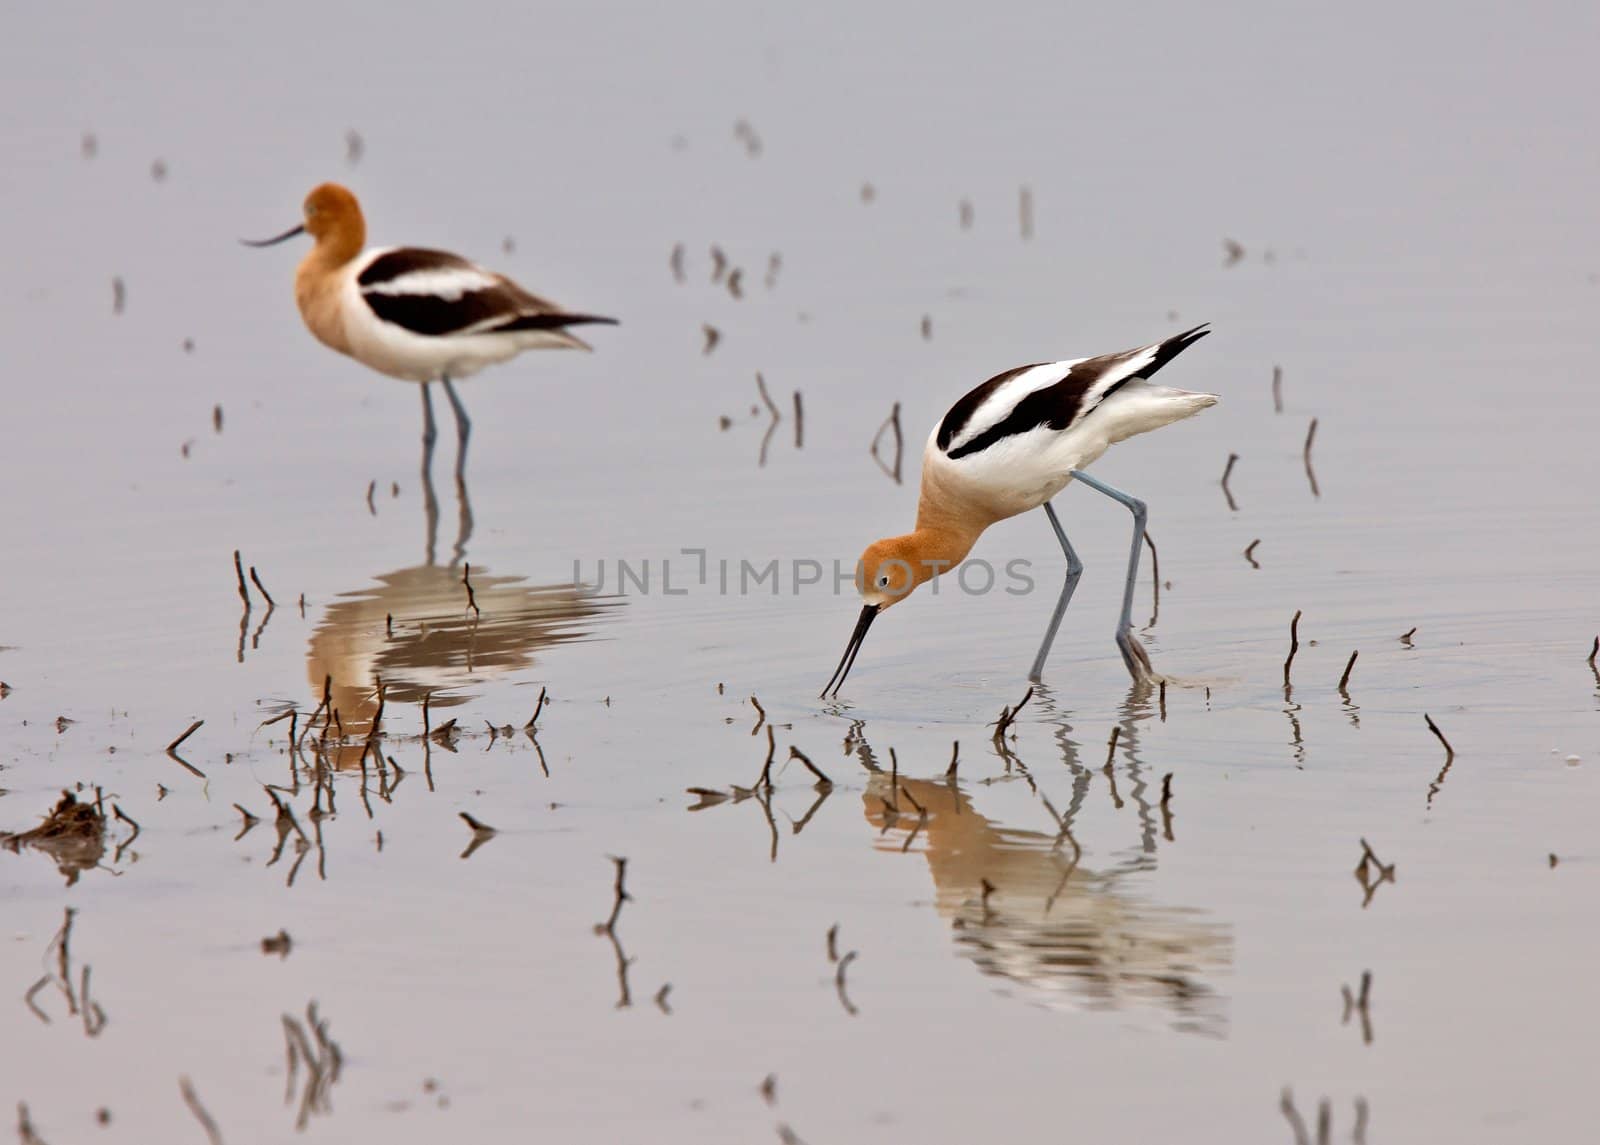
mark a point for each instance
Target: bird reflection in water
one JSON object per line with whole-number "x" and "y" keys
{"x": 1024, "y": 907}
{"x": 415, "y": 631}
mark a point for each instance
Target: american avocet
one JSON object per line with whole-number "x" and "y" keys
{"x": 1009, "y": 446}
{"x": 418, "y": 315}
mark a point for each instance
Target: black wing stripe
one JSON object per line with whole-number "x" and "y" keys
{"x": 433, "y": 315}
{"x": 408, "y": 260}
{"x": 480, "y": 312}
{"x": 961, "y": 413}
{"x": 1054, "y": 405}
{"x": 1060, "y": 404}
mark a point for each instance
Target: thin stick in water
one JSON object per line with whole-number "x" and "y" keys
{"x": 890, "y": 424}
{"x": 1311, "y": 475}
{"x": 822, "y": 780}
{"x": 1450, "y": 752}
{"x": 192, "y": 1100}
{"x": 255, "y": 580}
{"x": 1277, "y": 389}
{"x": 189, "y": 731}
{"x": 838, "y": 983}
{"x": 1344, "y": 680}
{"x": 1294, "y": 645}
{"x": 238, "y": 572}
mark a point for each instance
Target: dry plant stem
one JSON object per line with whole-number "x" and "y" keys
{"x": 620, "y": 893}
{"x": 189, "y": 731}
{"x": 772, "y": 425}
{"x": 238, "y": 571}
{"x": 1286, "y": 1104}
{"x": 1008, "y": 715}
{"x": 1294, "y": 645}
{"x": 833, "y": 945}
{"x": 537, "y": 708}
{"x": 1311, "y": 475}
{"x": 255, "y": 580}
{"x": 1155, "y": 570}
{"x": 1249, "y": 553}
{"x": 192, "y": 1100}
{"x": 761, "y": 714}
{"x": 955, "y": 759}
{"x": 472, "y": 597}
{"x": 1450, "y": 752}
{"x": 838, "y": 983}
{"x": 1277, "y": 389}
{"x": 891, "y": 423}
{"x": 766, "y": 398}
{"x": 799, "y": 422}
{"x": 822, "y": 780}
{"x": 1349, "y": 665}
{"x": 765, "y": 780}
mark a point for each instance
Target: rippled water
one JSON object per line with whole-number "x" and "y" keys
{"x": 1032, "y": 939}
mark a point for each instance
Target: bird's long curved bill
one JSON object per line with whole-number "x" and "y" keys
{"x": 299, "y": 229}
{"x": 869, "y": 613}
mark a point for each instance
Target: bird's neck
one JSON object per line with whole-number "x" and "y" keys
{"x": 939, "y": 545}
{"x": 945, "y": 531}
{"x": 337, "y": 246}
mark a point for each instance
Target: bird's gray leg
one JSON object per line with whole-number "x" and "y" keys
{"x": 430, "y": 503}
{"x": 1074, "y": 572}
{"x": 429, "y": 433}
{"x": 463, "y": 427}
{"x": 1133, "y": 653}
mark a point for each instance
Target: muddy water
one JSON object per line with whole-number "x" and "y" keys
{"x": 1038, "y": 942}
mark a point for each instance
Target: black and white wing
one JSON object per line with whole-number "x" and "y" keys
{"x": 1056, "y": 395}
{"x": 436, "y": 294}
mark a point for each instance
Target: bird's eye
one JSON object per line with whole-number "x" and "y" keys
{"x": 883, "y": 582}
{"x": 311, "y": 209}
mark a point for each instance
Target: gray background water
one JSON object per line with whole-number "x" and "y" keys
{"x": 1424, "y": 178}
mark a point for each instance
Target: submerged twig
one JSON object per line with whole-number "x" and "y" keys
{"x": 1294, "y": 645}
{"x": 1434, "y": 728}
{"x": 891, "y": 423}
{"x": 189, "y": 731}
{"x": 481, "y": 833}
{"x": 1008, "y": 716}
{"x": 192, "y": 1100}
{"x": 238, "y": 572}
{"x": 772, "y": 410}
{"x": 537, "y": 708}
{"x": 822, "y": 780}
{"x": 256, "y": 580}
{"x": 1311, "y": 475}
{"x": 838, "y": 983}
{"x": 619, "y": 892}
{"x": 1227, "y": 472}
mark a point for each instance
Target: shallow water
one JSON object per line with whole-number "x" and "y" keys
{"x": 1424, "y": 182}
